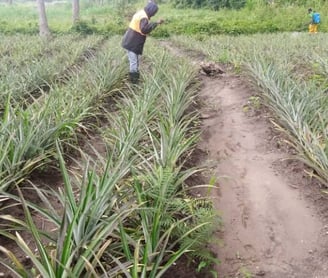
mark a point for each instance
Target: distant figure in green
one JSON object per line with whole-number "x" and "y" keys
{"x": 315, "y": 21}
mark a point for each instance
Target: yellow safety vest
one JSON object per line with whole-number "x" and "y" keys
{"x": 135, "y": 22}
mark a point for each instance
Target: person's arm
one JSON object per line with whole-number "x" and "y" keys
{"x": 146, "y": 26}
{"x": 311, "y": 17}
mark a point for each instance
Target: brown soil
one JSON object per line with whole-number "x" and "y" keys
{"x": 275, "y": 216}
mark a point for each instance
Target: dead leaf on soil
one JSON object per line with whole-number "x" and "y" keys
{"x": 211, "y": 68}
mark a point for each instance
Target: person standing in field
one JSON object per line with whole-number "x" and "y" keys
{"x": 135, "y": 36}
{"x": 315, "y": 21}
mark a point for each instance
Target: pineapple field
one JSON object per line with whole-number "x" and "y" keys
{"x": 213, "y": 165}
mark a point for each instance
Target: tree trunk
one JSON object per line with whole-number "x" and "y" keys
{"x": 43, "y": 23}
{"x": 76, "y": 11}
{"x": 10, "y": 2}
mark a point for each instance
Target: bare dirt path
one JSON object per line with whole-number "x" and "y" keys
{"x": 275, "y": 218}
{"x": 270, "y": 227}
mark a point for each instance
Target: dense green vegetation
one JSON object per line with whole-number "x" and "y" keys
{"x": 254, "y": 17}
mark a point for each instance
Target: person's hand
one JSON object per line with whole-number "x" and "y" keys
{"x": 160, "y": 21}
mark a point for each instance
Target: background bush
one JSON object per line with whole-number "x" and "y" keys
{"x": 182, "y": 17}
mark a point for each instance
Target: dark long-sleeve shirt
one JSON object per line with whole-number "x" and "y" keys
{"x": 133, "y": 40}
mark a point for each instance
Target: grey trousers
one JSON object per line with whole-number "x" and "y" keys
{"x": 134, "y": 61}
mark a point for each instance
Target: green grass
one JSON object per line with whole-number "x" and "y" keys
{"x": 114, "y": 18}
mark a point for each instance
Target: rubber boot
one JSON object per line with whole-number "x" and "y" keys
{"x": 134, "y": 77}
